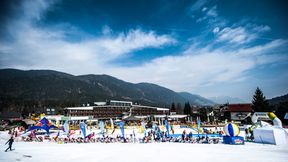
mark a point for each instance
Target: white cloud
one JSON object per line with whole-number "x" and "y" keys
{"x": 191, "y": 69}
{"x": 46, "y": 47}
{"x": 34, "y": 47}
{"x": 212, "y": 12}
{"x": 238, "y": 35}
{"x": 198, "y": 67}
{"x": 133, "y": 40}
{"x": 106, "y": 30}
{"x": 198, "y": 5}
{"x": 216, "y": 30}
{"x": 33, "y": 9}
{"x": 262, "y": 28}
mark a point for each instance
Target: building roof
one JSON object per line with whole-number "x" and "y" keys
{"x": 129, "y": 102}
{"x": 151, "y": 107}
{"x": 80, "y": 108}
{"x": 239, "y": 108}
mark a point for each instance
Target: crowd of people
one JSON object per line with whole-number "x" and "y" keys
{"x": 119, "y": 139}
{"x": 152, "y": 136}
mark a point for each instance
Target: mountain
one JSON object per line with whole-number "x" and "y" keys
{"x": 278, "y": 100}
{"x": 196, "y": 99}
{"x": 47, "y": 88}
{"x": 279, "y": 103}
{"x": 225, "y": 99}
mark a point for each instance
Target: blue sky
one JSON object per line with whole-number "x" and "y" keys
{"x": 206, "y": 47}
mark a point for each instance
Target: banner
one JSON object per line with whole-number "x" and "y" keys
{"x": 66, "y": 127}
{"x": 198, "y": 124}
{"x": 167, "y": 127}
{"x": 101, "y": 125}
{"x": 112, "y": 124}
{"x": 144, "y": 127}
{"x": 83, "y": 128}
{"x": 121, "y": 124}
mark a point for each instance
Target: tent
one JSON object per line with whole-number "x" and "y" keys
{"x": 270, "y": 135}
{"x": 43, "y": 124}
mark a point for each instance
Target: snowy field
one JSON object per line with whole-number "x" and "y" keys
{"x": 151, "y": 152}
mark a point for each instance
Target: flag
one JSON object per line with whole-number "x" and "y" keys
{"x": 66, "y": 127}
{"x": 122, "y": 128}
{"x": 144, "y": 128}
{"x": 198, "y": 124}
{"x": 112, "y": 124}
{"x": 167, "y": 127}
{"x": 83, "y": 128}
{"x": 101, "y": 125}
{"x": 154, "y": 126}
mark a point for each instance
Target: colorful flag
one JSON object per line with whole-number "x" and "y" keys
{"x": 83, "y": 128}
{"x": 66, "y": 127}
{"x": 198, "y": 124}
{"x": 144, "y": 127}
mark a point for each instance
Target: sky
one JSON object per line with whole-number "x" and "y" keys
{"x": 206, "y": 47}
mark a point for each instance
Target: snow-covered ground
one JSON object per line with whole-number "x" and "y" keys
{"x": 151, "y": 152}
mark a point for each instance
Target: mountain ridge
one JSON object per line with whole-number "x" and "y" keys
{"x": 48, "y": 88}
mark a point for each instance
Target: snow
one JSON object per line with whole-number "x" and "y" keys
{"x": 149, "y": 152}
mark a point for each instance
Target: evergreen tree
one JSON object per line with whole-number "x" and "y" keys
{"x": 173, "y": 109}
{"x": 259, "y": 103}
{"x": 187, "y": 109}
{"x": 202, "y": 113}
{"x": 179, "y": 109}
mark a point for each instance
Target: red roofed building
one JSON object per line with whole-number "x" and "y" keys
{"x": 239, "y": 112}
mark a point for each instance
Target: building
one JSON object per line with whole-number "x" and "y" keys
{"x": 50, "y": 111}
{"x": 114, "y": 109}
{"x": 239, "y": 112}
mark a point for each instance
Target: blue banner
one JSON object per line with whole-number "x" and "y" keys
{"x": 121, "y": 124}
{"x": 66, "y": 127}
{"x": 83, "y": 128}
{"x": 167, "y": 127}
{"x": 198, "y": 124}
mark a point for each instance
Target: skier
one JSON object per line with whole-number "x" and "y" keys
{"x": 10, "y": 142}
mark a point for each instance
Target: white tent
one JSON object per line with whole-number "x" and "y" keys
{"x": 271, "y": 135}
